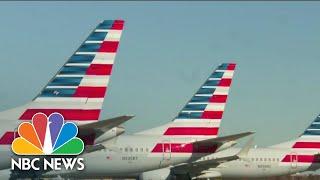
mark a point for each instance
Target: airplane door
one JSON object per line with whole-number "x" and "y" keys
{"x": 166, "y": 153}
{"x": 294, "y": 160}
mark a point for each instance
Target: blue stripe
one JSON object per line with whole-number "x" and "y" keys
{"x": 107, "y": 24}
{"x": 205, "y": 90}
{"x": 97, "y": 36}
{"x": 57, "y": 92}
{"x": 65, "y": 81}
{"x": 192, "y": 115}
{"x": 194, "y": 107}
{"x": 314, "y": 126}
{"x": 223, "y": 66}
{"x": 200, "y": 99}
{"x": 73, "y": 70}
{"x": 316, "y": 132}
{"x": 217, "y": 75}
{"x": 92, "y": 47}
{"x": 212, "y": 83}
{"x": 81, "y": 59}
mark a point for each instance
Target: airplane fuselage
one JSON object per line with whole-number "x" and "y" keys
{"x": 135, "y": 154}
{"x": 260, "y": 162}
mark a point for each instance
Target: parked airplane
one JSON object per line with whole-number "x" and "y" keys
{"x": 190, "y": 136}
{"x": 286, "y": 158}
{"x": 77, "y": 92}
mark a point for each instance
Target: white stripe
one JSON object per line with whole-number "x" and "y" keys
{"x": 104, "y": 58}
{"x": 67, "y": 99}
{"x": 198, "y": 123}
{"x": 214, "y": 79}
{"x": 69, "y": 75}
{"x": 225, "y": 71}
{"x": 313, "y": 129}
{"x": 195, "y": 111}
{"x": 94, "y": 81}
{"x": 221, "y": 91}
{"x": 113, "y": 36}
{"x": 215, "y": 107}
{"x": 77, "y": 64}
{"x": 65, "y": 105}
{"x": 198, "y": 103}
{"x": 94, "y": 42}
{"x": 228, "y": 74}
{"x": 316, "y": 123}
{"x": 209, "y": 87}
{"x": 86, "y": 53}
{"x": 203, "y": 95}
{"x": 108, "y": 30}
{"x": 65, "y": 87}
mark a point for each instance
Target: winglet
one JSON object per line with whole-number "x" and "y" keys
{"x": 243, "y": 153}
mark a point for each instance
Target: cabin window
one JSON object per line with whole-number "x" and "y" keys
{"x": 141, "y": 149}
{"x": 137, "y": 149}
{"x": 147, "y": 150}
{"x": 125, "y": 149}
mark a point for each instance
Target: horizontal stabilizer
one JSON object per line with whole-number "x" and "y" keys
{"x": 220, "y": 140}
{"x": 103, "y": 125}
{"x": 242, "y": 154}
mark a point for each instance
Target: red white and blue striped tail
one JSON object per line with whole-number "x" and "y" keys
{"x": 307, "y": 146}
{"x": 202, "y": 115}
{"x": 78, "y": 89}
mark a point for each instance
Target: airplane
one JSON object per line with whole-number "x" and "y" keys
{"x": 192, "y": 134}
{"x": 296, "y": 156}
{"x": 76, "y": 91}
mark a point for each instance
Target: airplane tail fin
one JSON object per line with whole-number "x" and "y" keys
{"x": 306, "y": 147}
{"x": 201, "y": 116}
{"x": 78, "y": 89}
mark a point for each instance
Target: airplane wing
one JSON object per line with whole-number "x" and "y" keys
{"x": 220, "y": 140}
{"x": 205, "y": 164}
{"x": 102, "y": 126}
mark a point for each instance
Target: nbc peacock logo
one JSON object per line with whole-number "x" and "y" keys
{"x": 47, "y": 136}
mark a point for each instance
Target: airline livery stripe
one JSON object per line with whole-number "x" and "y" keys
{"x": 109, "y": 46}
{"x": 99, "y": 69}
{"x": 208, "y": 131}
{"x": 225, "y": 82}
{"x": 301, "y": 158}
{"x": 183, "y": 148}
{"x": 90, "y": 92}
{"x": 212, "y": 115}
{"x": 7, "y": 138}
{"x": 218, "y": 98}
{"x": 68, "y": 114}
{"x": 312, "y": 145}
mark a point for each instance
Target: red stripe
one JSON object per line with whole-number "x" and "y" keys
{"x": 301, "y": 158}
{"x": 218, "y": 98}
{"x": 99, "y": 69}
{"x": 109, "y": 46}
{"x": 225, "y": 82}
{"x": 184, "y": 148}
{"x": 212, "y": 115}
{"x": 117, "y": 24}
{"x": 314, "y": 145}
{"x": 68, "y": 114}
{"x": 90, "y": 92}
{"x": 206, "y": 131}
{"x": 231, "y": 67}
{"x": 7, "y": 138}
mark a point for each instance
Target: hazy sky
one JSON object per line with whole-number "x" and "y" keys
{"x": 166, "y": 52}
